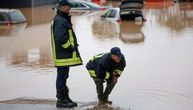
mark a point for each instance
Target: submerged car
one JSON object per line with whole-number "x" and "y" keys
{"x": 113, "y": 14}
{"x": 130, "y": 9}
{"x": 83, "y": 5}
{"x": 11, "y": 16}
{"x": 129, "y": 31}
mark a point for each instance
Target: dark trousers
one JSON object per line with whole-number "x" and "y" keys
{"x": 103, "y": 94}
{"x": 62, "y": 76}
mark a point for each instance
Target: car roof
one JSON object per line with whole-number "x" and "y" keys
{"x": 117, "y": 9}
{"x": 82, "y": 1}
{"x": 7, "y": 10}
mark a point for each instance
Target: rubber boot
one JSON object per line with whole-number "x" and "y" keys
{"x": 105, "y": 99}
{"x": 62, "y": 101}
{"x": 100, "y": 100}
{"x": 66, "y": 94}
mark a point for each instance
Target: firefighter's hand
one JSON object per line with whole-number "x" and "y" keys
{"x": 114, "y": 79}
{"x": 70, "y": 49}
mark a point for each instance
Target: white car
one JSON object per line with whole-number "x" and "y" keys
{"x": 129, "y": 31}
{"x": 11, "y": 16}
{"x": 113, "y": 14}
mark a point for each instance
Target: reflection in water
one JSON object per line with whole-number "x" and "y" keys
{"x": 127, "y": 31}
{"x": 29, "y": 48}
{"x": 38, "y": 15}
{"x": 38, "y": 58}
{"x": 11, "y": 30}
{"x": 105, "y": 29}
{"x": 176, "y": 17}
{"x": 130, "y": 32}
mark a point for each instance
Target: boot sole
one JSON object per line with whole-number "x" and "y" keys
{"x": 65, "y": 106}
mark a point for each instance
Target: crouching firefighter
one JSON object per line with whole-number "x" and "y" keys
{"x": 65, "y": 52}
{"x": 106, "y": 67}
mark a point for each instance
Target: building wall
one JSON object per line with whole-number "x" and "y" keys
{"x": 24, "y": 3}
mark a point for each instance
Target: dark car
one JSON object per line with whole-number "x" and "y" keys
{"x": 130, "y": 9}
{"x": 11, "y": 16}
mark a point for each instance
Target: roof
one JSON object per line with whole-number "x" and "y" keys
{"x": 7, "y": 10}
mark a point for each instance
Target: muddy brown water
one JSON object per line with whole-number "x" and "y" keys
{"x": 158, "y": 53}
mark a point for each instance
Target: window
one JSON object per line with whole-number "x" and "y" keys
{"x": 107, "y": 13}
{"x": 2, "y": 18}
{"x": 16, "y": 16}
{"x": 111, "y": 13}
{"x": 77, "y": 5}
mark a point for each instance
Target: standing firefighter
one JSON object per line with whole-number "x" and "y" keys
{"x": 106, "y": 67}
{"x": 65, "y": 52}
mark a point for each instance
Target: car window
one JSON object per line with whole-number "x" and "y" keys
{"x": 2, "y": 18}
{"x": 92, "y": 5}
{"x": 16, "y": 16}
{"x": 77, "y": 5}
{"x": 107, "y": 13}
{"x": 111, "y": 13}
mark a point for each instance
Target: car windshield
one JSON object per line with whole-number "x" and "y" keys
{"x": 77, "y": 5}
{"x": 131, "y": 5}
{"x": 92, "y": 4}
{"x": 16, "y": 16}
{"x": 1, "y": 17}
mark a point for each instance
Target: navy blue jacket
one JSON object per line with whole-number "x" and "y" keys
{"x": 103, "y": 64}
{"x": 64, "y": 41}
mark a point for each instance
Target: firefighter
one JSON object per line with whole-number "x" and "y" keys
{"x": 65, "y": 52}
{"x": 106, "y": 67}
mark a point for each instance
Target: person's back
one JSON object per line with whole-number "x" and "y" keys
{"x": 104, "y": 62}
{"x": 106, "y": 67}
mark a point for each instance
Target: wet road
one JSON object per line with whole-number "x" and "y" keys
{"x": 159, "y": 65}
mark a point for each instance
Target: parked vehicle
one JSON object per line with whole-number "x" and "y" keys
{"x": 129, "y": 31}
{"x": 130, "y": 9}
{"x": 83, "y": 5}
{"x": 113, "y": 14}
{"x": 11, "y": 16}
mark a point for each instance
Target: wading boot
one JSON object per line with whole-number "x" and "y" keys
{"x": 105, "y": 99}
{"x": 62, "y": 102}
{"x": 101, "y": 103}
{"x": 66, "y": 95}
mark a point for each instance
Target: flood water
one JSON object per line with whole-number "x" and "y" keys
{"x": 159, "y": 70}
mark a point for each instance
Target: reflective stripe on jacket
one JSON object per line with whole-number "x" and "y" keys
{"x": 64, "y": 43}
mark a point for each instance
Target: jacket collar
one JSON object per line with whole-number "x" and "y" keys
{"x": 64, "y": 15}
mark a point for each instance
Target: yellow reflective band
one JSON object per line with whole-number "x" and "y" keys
{"x": 118, "y": 72}
{"x": 66, "y": 45}
{"x": 71, "y": 37}
{"x": 70, "y": 61}
{"x": 74, "y": 55}
{"x": 53, "y": 41}
{"x": 96, "y": 56}
{"x": 92, "y": 73}
{"x": 107, "y": 75}
{"x": 67, "y": 62}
